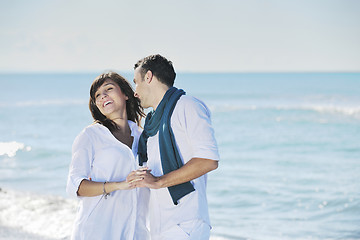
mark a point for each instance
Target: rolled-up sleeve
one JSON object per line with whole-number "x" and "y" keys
{"x": 199, "y": 131}
{"x": 80, "y": 166}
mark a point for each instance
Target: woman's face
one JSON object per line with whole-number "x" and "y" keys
{"x": 110, "y": 100}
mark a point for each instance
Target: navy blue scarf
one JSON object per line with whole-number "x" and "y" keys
{"x": 159, "y": 120}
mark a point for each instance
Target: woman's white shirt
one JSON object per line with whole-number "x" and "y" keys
{"x": 99, "y": 156}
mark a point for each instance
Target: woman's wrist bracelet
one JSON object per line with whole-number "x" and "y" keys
{"x": 104, "y": 191}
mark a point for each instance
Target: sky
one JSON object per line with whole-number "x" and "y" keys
{"x": 196, "y": 35}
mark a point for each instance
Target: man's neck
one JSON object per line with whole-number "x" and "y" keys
{"x": 159, "y": 95}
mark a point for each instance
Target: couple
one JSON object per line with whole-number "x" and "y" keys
{"x": 128, "y": 180}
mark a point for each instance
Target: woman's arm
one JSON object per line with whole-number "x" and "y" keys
{"x": 89, "y": 188}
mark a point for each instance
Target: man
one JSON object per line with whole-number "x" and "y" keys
{"x": 179, "y": 149}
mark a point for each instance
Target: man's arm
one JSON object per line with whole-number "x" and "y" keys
{"x": 194, "y": 168}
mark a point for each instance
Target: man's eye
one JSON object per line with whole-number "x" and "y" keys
{"x": 110, "y": 88}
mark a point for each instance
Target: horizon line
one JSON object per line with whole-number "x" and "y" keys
{"x": 178, "y": 72}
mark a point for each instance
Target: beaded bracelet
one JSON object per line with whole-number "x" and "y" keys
{"x": 104, "y": 192}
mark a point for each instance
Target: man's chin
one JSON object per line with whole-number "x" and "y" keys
{"x": 144, "y": 105}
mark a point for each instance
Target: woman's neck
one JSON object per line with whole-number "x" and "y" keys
{"x": 122, "y": 124}
{"x": 123, "y": 132}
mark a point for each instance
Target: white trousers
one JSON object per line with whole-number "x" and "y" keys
{"x": 191, "y": 230}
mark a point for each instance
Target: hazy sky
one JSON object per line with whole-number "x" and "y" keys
{"x": 197, "y": 35}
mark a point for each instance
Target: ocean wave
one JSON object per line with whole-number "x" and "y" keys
{"x": 352, "y": 111}
{"x": 11, "y": 148}
{"x": 52, "y": 102}
{"x": 46, "y": 216}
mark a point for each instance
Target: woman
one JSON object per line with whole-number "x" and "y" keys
{"x": 103, "y": 155}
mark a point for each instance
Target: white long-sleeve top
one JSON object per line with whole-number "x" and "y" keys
{"x": 99, "y": 156}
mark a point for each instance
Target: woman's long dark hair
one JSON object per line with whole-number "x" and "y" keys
{"x": 133, "y": 108}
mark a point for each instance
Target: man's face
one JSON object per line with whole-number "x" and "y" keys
{"x": 141, "y": 89}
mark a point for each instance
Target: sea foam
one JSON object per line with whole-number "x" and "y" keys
{"x": 44, "y": 216}
{"x": 10, "y": 148}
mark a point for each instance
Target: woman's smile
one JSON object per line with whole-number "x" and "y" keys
{"x": 107, "y": 103}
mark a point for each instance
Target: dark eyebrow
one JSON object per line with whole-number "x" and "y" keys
{"x": 106, "y": 84}
{"x": 109, "y": 83}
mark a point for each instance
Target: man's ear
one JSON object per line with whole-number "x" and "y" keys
{"x": 148, "y": 76}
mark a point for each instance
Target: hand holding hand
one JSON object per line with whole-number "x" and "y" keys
{"x": 147, "y": 179}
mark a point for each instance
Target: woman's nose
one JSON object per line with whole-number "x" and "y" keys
{"x": 103, "y": 95}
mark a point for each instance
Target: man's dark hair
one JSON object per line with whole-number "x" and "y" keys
{"x": 160, "y": 67}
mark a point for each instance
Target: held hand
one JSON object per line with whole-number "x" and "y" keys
{"x": 127, "y": 185}
{"x": 148, "y": 180}
{"x": 134, "y": 175}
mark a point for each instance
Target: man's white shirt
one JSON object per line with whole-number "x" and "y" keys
{"x": 194, "y": 136}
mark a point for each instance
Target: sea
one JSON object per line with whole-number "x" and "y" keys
{"x": 289, "y": 146}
